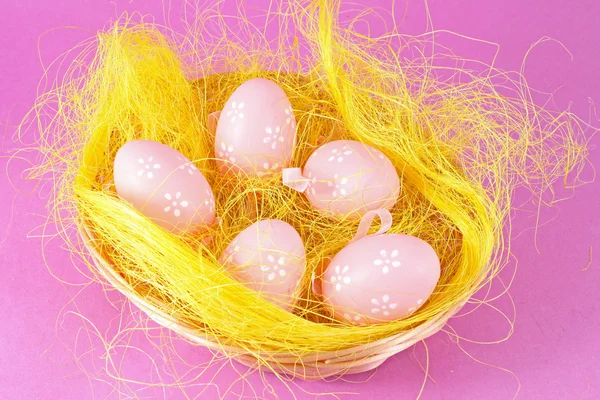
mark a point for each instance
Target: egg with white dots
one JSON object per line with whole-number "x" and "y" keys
{"x": 346, "y": 179}
{"x": 380, "y": 278}
{"x": 164, "y": 185}
{"x": 256, "y": 129}
{"x": 268, "y": 257}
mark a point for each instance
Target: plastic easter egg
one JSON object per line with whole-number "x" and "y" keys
{"x": 256, "y": 130}
{"x": 164, "y": 186}
{"x": 381, "y": 277}
{"x": 346, "y": 178}
{"x": 268, "y": 257}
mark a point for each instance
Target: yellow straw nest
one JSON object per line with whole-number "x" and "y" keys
{"x": 460, "y": 148}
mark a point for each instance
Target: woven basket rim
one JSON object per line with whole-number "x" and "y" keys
{"x": 351, "y": 360}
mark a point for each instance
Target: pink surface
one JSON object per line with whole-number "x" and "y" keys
{"x": 256, "y": 132}
{"x": 380, "y": 278}
{"x": 349, "y": 178}
{"x": 269, "y": 257}
{"x": 164, "y": 185}
{"x": 554, "y": 350}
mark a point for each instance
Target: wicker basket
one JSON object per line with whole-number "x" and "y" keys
{"x": 352, "y": 360}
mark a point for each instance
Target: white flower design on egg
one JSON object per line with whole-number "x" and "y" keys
{"x": 276, "y": 267}
{"x": 147, "y": 167}
{"x": 338, "y": 154}
{"x": 356, "y": 319}
{"x": 232, "y": 248}
{"x": 191, "y": 168}
{"x": 413, "y": 309}
{"x": 236, "y": 111}
{"x": 288, "y": 113}
{"x": 383, "y": 306}
{"x": 340, "y": 277}
{"x": 273, "y": 136}
{"x": 210, "y": 202}
{"x": 227, "y": 152}
{"x": 313, "y": 180}
{"x": 338, "y": 190}
{"x": 268, "y": 168}
{"x": 387, "y": 261}
{"x": 176, "y": 204}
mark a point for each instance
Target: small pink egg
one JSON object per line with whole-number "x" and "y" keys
{"x": 164, "y": 186}
{"x": 380, "y": 278}
{"x": 268, "y": 257}
{"x": 346, "y": 178}
{"x": 256, "y": 130}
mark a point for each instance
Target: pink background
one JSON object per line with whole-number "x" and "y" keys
{"x": 554, "y": 350}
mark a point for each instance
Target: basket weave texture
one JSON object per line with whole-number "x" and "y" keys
{"x": 351, "y": 360}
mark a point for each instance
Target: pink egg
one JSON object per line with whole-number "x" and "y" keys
{"x": 164, "y": 186}
{"x": 346, "y": 178}
{"x": 256, "y": 130}
{"x": 268, "y": 257}
{"x": 381, "y": 277}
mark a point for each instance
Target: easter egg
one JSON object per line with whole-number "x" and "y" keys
{"x": 256, "y": 130}
{"x": 164, "y": 186}
{"x": 380, "y": 278}
{"x": 345, "y": 178}
{"x": 268, "y": 257}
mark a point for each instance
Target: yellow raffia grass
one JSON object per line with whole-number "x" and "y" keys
{"x": 460, "y": 148}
